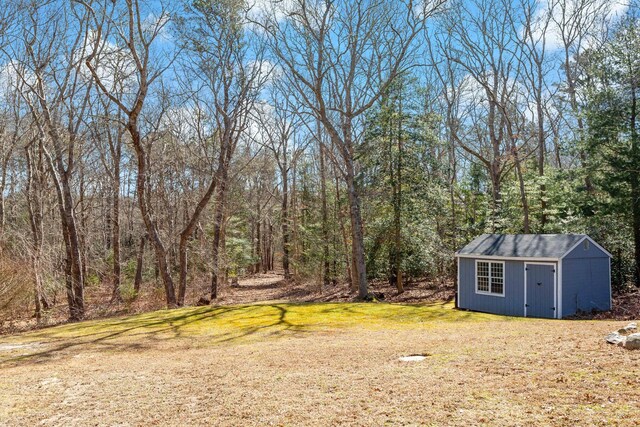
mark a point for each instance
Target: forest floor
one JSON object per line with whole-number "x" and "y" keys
{"x": 261, "y": 287}
{"x": 272, "y": 287}
{"x": 318, "y": 363}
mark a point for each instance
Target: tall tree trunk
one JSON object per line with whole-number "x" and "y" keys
{"x": 345, "y": 240}
{"x": 217, "y": 229}
{"x": 115, "y": 223}
{"x": 137, "y": 282}
{"x": 397, "y": 210}
{"x": 35, "y": 178}
{"x": 573, "y": 101}
{"x": 523, "y": 193}
{"x": 357, "y": 237}
{"x": 149, "y": 221}
{"x": 635, "y": 182}
{"x": 541, "y": 153}
{"x": 325, "y": 220}
{"x": 285, "y": 220}
{"x": 74, "y": 282}
{"x": 258, "y": 264}
{"x": 496, "y": 194}
{"x": 186, "y": 235}
{"x": 3, "y": 182}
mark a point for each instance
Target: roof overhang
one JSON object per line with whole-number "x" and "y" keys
{"x": 546, "y": 259}
{"x": 506, "y": 258}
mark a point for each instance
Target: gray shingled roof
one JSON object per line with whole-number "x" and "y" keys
{"x": 522, "y": 245}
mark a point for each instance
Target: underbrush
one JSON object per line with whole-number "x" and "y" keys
{"x": 15, "y": 288}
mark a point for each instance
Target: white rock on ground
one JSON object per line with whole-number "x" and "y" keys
{"x": 632, "y": 342}
{"x": 616, "y": 338}
{"x": 412, "y": 358}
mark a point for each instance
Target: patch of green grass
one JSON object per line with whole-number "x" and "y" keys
{"x": 223, "y": 323}
{"x": 218, "y": 325}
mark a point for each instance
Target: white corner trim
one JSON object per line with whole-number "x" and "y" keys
{"x": 559, "y": 275}
{"x": 524, "y": 270}
{"x": 475, "y": 275}
{"x": 458, "y": 284}
{"x": 586, "y": 237}
{"x": 610, "y": 290}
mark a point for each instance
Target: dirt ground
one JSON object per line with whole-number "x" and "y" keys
{"x": 271, "y": 286}
{"x": 317, "y": 364}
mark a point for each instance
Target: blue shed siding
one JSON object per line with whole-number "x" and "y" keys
{"x": 579, "y": 251}
{"x": 511, "y": 304}
{"x": 585, "y": 282}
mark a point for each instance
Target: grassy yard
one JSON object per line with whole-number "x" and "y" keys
{"x": 319, "y": 364}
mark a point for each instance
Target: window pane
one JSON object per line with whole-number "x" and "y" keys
{"x": 497, "y": 286}
{"x": 496, "y": 270}
{"x": 483, "y": 269}
{"x": 483, "y": 284}
{"x": 497, "y": 278}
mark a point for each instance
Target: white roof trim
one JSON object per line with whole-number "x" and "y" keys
{"x": 592, "y": 241}
{"x": 505, "y": 258}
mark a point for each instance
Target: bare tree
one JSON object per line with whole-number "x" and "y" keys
{"x": 231, "y": 70}
{"x": 533, "y": 29}
{"x": 57, "y": 96}
{"x": 480, "y": 40}
{"x": 128, "y": 25}
{"x": 577, "y": 24}
{"x": 279, "y": 121}
{"x": 341, "y": 57}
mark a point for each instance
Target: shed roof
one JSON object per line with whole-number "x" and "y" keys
{"x": 553, "y": 246}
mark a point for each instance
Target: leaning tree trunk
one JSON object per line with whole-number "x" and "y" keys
{"x": 186, "y": 235}
{"x": 149, "y": 221}
{"x": 74, "y": 279}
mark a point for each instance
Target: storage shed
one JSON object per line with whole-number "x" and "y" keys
{"x": 534, "y": 275}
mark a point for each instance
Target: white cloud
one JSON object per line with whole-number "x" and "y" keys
{"x": 12, "y": 77}
{"x": 473, "y": 100}
{"x": 263, "y": 71}
{"x": 158, "y": 23}
{"x": 114, "y": 68}
{"x": 276, "y": 9}
{"x": 574, "y": 15}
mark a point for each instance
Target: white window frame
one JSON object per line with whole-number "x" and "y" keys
{"x": 504, "y": 285}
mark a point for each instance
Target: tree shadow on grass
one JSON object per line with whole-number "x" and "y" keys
{"x": 224, "y": 324}
{"x": 221, "y": 325}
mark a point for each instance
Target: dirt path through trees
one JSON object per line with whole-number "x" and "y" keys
{"x": 272, "y": 287}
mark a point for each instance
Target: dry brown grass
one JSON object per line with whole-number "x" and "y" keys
{"x": 319, "y": 364}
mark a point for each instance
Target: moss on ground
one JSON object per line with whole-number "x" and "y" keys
{"x": 225, "y": 323}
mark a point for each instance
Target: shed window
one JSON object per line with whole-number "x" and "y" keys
{"x": 490, "y": 277}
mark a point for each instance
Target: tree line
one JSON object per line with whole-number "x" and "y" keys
{"x": 190, "y": 142}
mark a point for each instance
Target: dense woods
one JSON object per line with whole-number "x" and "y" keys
{"x": 178, "y": 144}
